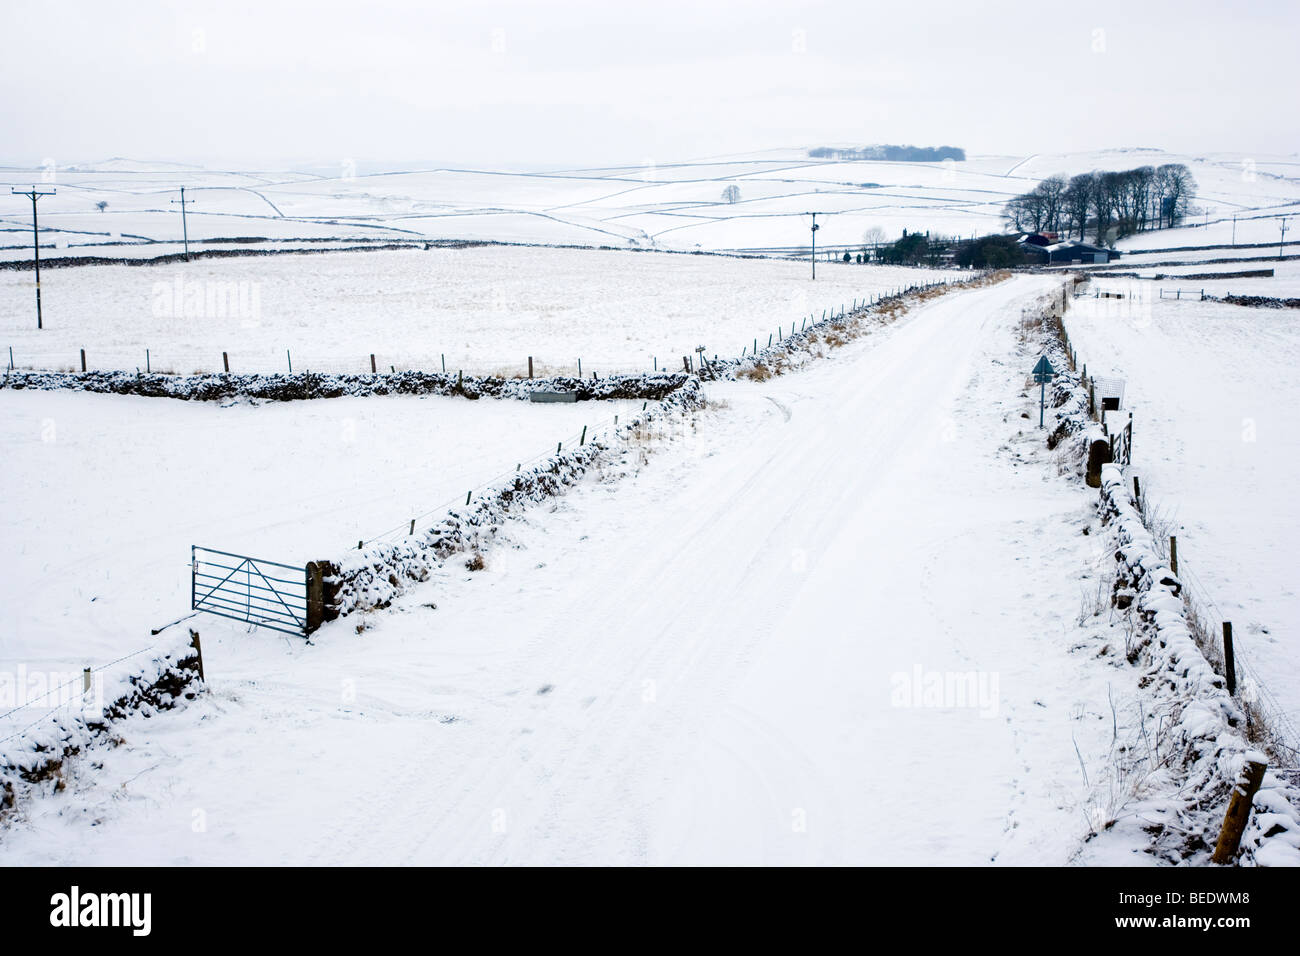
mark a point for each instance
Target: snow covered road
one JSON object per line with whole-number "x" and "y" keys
{"x": 728, "y": 656}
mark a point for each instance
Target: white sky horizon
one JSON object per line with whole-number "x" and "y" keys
{"x": 517, "y": 85}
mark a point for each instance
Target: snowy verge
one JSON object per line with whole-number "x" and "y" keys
{"x": 370, "y": 579}
{"x": 312, "y": 385}
{"x": 69, "y": 719}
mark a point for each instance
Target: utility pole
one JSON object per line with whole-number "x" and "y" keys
{"x": 34, "y": 194}
{"x": 1280, "y": 243}
{"x": 185, "y": 230}
{"x": 1234, "y": 231}
{"x": 815, "y": 227}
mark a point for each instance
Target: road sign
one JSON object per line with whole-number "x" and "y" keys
{"x": 1043, "y": 373}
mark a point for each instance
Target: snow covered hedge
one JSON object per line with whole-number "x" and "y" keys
{"x": 143, "y": 684}
{"x": 310, "y": 385}
{"x": 372, "y": 578}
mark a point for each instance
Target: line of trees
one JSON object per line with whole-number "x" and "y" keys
{"x": 892, "y": 153}
{"x": 1112, "y": 204}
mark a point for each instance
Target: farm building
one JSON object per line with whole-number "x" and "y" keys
{"x": 1041, "y": 250}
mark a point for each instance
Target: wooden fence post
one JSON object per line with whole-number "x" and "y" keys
{"x": 1173, "y": 553}
{"x": 373, "y": 370}
{"x": 1234, "y": 821}
{"x": 530, "y": 366}
{"x": 1229, "y": 660}
{"x": 83, "y": 360}
{"x": 225, "y": 361}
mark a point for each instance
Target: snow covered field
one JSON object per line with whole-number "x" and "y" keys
{"x": 719, "y": 658}
{"x": 673, "y": 205}
{"x": 1215, "y": 395}
{"x": 485, "y": 309}
{"x": 104, "y": 494}
{"x": 1284, "y": 283}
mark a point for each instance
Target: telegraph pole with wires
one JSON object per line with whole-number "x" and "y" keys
{"x": 34, "y": 194}
{"x": 815, "y": 227}
{"x": 185, "y": 229}
{"x": 1280, "y": 243}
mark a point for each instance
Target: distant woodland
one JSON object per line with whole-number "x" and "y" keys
{"x": 890, "y": 153}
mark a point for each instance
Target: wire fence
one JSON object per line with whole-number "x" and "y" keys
{"x": 61, "y": 702}
{"x": 1253, "y": 688}
{"x": 264, "y": 360}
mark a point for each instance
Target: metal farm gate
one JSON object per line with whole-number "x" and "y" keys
{"x": 1121, "y": 443}
{"x": 265, "y": 593}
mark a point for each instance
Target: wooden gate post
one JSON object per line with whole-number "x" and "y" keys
{"x": 1098, "y": 455}
{"x": 316, "y": 608}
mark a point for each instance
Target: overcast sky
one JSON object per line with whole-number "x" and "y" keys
{"x": 562, "y": 83}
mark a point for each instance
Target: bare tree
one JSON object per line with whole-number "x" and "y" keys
{"x": 1176, "y": 187}
{"x": 1107, "y": 190}
{"x": 101, "y": 205}
{"x": 731, "y": 193}
{"x": 1026, "y": 213}
{"x": 1076, "y": 201}
{"x": 1051, "y": 192}
{"x": 1142, "y": 184}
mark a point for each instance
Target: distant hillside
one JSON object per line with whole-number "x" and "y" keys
{"x": 895, "y": 154}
